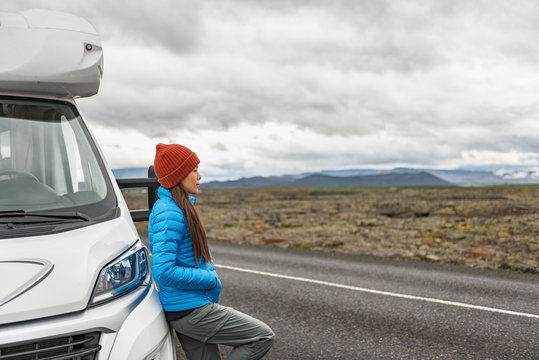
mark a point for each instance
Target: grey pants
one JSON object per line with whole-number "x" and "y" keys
{"x": 201, "y": 331}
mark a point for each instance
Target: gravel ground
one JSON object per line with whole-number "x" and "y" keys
{"x": 494, "y": 228}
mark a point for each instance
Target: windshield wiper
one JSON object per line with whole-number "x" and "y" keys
{"x": 54, "y": 216}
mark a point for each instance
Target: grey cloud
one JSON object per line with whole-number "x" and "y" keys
{"x": 175, "y": 25}
{"x": 220, "y": 146}
{"x": 410, "y": 69}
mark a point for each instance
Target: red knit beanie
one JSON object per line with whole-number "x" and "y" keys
{"x": 173, "y": 163}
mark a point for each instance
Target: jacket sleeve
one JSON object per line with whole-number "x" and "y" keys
{"x": 166, "y": 229}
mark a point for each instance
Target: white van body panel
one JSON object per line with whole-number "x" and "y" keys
{"x": 77, "y": 256}
{"x": 47, "y": 280}
{"x": 127, "y": 332}
{"x": 49, "y": 53}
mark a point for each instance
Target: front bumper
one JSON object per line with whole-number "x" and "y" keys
{"x": 130, "y": 327}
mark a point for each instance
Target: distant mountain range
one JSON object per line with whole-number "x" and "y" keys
{"x": 368, "y": 177}
{"x": 322, "y": 180}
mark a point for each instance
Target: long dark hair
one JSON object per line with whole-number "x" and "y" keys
{"x": 198, "y": 234}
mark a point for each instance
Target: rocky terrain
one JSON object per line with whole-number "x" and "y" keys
{"x": 495, "y": 228}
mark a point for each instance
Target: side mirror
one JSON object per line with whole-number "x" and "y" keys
{"x": 151, "y": 184}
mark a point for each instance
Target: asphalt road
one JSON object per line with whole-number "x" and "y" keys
{"x": 335, "y": 306}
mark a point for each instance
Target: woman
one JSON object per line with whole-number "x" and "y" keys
{"x": 182, "y": 267}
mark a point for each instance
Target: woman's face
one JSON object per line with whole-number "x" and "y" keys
{"x": 191, "y": 182}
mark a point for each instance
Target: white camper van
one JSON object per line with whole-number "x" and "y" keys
{"x": 75, "y": 279}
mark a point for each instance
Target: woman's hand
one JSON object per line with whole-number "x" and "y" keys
{"x": 215, "y": 293}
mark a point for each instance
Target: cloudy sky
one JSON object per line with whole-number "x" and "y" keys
{"x": 272, "y": 87}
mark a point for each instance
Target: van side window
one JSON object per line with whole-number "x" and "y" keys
{"x": 5, "y": 148}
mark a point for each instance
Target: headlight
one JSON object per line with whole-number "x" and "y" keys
{"x": 121, "y": 276}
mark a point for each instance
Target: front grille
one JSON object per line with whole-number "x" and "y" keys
{"x": 73, "y": 347}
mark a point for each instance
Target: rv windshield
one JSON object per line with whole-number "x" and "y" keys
{"x": 48, "y": 162}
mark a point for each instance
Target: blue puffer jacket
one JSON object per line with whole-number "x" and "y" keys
{"x": 182, "y": 284}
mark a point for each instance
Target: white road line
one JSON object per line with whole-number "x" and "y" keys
{"x": 378, "y": 292}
